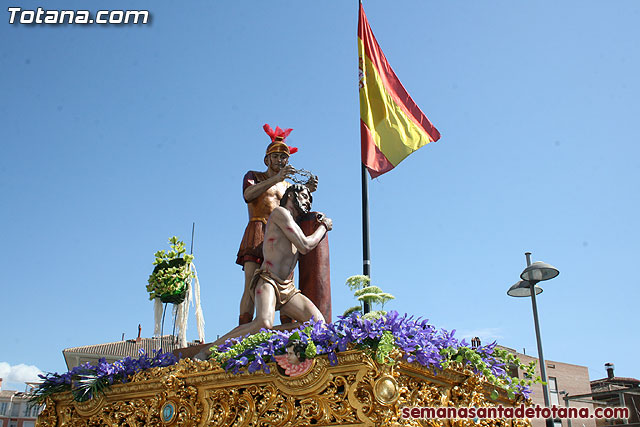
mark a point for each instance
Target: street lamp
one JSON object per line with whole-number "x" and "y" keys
{"x": 534, "y": 273}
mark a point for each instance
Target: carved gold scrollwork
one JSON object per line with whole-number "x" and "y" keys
{"x": 89, "y": 407}
{"x": 356, "y": 392}
{"x": 48, "y": 417}
{"x": 330, "y": 406}
{"x": 363, "y": 396}
{"x": 133, "y": 412}
{"x": 178, "y": 404}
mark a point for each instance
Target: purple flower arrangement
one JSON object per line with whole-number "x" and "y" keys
{"x": 412, "y": 339}
{"x": 86, "y": 381}
{"x": 415, "y": 338}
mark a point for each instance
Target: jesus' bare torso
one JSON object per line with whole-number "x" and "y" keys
{"x": 283, "y": 242}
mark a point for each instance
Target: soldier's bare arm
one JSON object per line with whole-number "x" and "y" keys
{"x": 253, "y": 191}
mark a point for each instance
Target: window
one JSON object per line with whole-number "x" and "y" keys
{"x": 3, "y": 408}
{"x": 553, "y": 391}
{"x": 31, "y": 410}
{"x": 512, "y": 370}
{"x": 35, "y": 411}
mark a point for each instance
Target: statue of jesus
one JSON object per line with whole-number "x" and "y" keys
{"x": 272, "y": 285}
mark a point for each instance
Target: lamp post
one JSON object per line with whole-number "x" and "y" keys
{"x": 534, "y": 273}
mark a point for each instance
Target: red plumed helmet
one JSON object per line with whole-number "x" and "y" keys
{"x": 277, "y": 140}
{"x": 280, "y": 134}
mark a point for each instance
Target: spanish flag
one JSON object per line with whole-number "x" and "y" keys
{"x": 391, "y": 124}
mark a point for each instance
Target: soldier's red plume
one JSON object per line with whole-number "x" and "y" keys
{"x": 277, "y": 137}
{"x": 281, "y": 134}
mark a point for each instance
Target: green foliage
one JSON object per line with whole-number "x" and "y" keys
{"x": 255, "y": 340}
{"x": 170, "y": 278}
{"x": 350, "y": 310}
{"x": 311, "y": 351}
{"x": 89, "y": 386}
{"x": 385, "y": 347}
{"x": 370, "y": 298}
{"x": 358, "y": 282}
{"x": 473, "y": 360}
{"x": 367, "y": 290}
{"x": 529, "y": 369}
{"x": 177, "y": 249}
{"x": 295, "y": 336}
{"x": 385, "y": 297}
{"x": 246, "y": 343}
{"x": 366, "y": 293}
{"x": 374, "y": 315}
{"x": 379, "y": 348}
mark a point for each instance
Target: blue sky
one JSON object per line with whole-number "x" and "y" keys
{"x": 115, "y": 138}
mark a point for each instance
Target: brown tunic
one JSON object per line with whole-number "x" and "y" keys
{"x": 259, "y": 210}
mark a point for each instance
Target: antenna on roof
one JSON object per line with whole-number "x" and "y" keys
{"x": 123, "y": 336}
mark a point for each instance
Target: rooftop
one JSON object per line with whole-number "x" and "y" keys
{"x": 129, "y": 348}
{"x": 12, "y": 393}
{"x": 613, "y": 384}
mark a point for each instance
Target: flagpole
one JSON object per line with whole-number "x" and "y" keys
{"x": 366, "y": 258}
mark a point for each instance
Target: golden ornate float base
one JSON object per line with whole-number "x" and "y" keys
{"x": 355, "y": 392}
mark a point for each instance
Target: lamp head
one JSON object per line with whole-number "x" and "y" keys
{"x": 539, "y": 271}
{"x": 523, "y": 289}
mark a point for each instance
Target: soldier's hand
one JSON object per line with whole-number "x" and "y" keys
{"x": 312, "y": 184}
{"x": 327, "y": 223}
{"x": 286, "y": 172}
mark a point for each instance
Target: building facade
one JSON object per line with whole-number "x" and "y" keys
{"x": 15, "y": 409}
{"x": 563, "y": 379}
